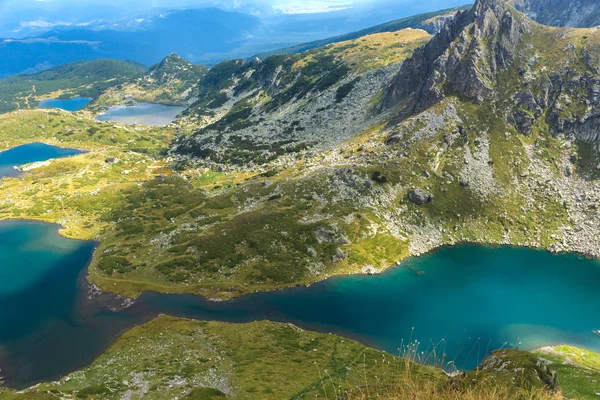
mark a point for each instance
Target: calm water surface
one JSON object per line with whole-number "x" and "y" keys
{"x": 143, "y": 113}
{"x": 30, "y": 153}
{"x": 74, "y": 104}
{"x": 466, "y": 300}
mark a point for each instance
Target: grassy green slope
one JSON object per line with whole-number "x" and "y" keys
{"x": 170, "y": 358}
{"x": 176, "y": 358}
{"x": 578, "y": 370}
{"x": 78, "y": 191}
{"x": 256, "y": 111}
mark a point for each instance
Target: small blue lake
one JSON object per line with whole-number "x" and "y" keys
{"x": 464, "y": 301}
{"x": 143, "y": 113}
{"x": 30, "y": 153}
{"x": 74, "y": 104}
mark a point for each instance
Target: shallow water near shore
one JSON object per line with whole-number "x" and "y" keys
{"x": 143, "y": 113}
{"x": 465, "y": 301}
{"x": 30, "y": 153}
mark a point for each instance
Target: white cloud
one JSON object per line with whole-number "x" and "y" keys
{"x": 311, "y": 6}
{"x": 42, "y": 24}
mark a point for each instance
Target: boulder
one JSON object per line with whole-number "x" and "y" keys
{"x": 419, "y": 196}
{"x": 339, "y": 255}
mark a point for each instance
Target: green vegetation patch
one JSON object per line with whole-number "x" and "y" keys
{"x": 171, "y": 357}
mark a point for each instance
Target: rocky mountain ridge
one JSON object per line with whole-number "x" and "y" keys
{"x": 171, "y": 81}
{"x": 259, "y": 111}
{"x": 488, "y": 54}
{"x": 463, "y": 59}
{"x": 574, "y": 13}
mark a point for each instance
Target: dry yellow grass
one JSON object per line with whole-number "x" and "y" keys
{"x": 374, "y": 51}
{"x": 405, "y": 383}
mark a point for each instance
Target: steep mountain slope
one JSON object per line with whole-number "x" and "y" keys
{"x": 85, "y": 79}
{"x": 258, "y": 111}
{"x": 575, "y": 13}
{"x": 171, "y": 82}
{"x": 430, "y": 22}
{"x": 536, "y": 77}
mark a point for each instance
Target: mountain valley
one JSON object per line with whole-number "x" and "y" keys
{"x": 343, "y": 157}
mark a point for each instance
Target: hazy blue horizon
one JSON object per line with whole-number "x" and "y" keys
{"x": 277, "y": 6}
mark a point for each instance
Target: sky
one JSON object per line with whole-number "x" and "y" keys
{"x": 285, "y": 6}
{"x": 22, "y": 18}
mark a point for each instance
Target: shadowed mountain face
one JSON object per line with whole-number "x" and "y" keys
{"x": 533, "y": 74}
{"x": 575, "y": 13}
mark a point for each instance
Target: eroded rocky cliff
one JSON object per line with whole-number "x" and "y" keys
{"x": 575, "y": 13}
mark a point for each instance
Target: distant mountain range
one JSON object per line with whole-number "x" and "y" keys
{"x": 190, "y": 33}
{"x": 170, "y": 81}
{"x": 203, "y": 36}
{"x": 429, "y": 22}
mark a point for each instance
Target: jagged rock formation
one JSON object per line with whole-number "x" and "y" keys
{"x": 575, "y": 13}
{"x": 533, "y": 74}
{"x": 464, "y": 58}
{"x": 171, "y": 81}
{"x": 173, "y": 67}
{"x": 436, "y": 24}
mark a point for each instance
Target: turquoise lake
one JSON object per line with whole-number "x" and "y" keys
{"x": 74, "y": 104}
{"x": 143, "y": 113}
{"x": 30, "y": 153}
{"x": 465, "y": 301}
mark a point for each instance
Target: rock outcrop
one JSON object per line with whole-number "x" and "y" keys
{"x": 509, "y": 363}
{"x": 575, "y": 13}
{"x": 530, "y": 74}
{"x": 462, "y": 59}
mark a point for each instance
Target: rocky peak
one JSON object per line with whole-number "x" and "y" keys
{"x": 169, "y": 62}
{"x": 463, "y": 58}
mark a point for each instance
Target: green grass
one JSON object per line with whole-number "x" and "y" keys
{"x": 578, "y": 370}
{"x": 171, "y": 357}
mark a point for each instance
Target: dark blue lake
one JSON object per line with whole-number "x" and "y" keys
{"x": 30, "y": 153}
{"x": 74, "y": 104}
{"x": 463, "y": 301}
